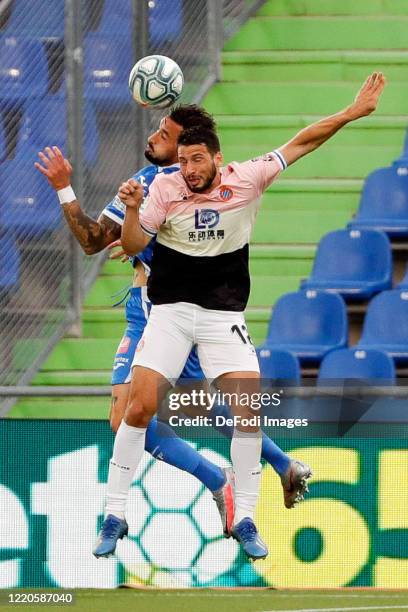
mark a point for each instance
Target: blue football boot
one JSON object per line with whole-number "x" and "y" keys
{"x": 113, "y": 529}
{"x": 247, "y": 535}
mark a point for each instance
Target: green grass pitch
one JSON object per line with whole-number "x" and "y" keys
{"x": 220, "y": 600}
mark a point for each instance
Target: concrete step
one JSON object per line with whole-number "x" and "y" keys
{"x": 75, "y": 378}
{"x": 61, "y": 408}
{"x": 312, "y": 65}
{"x": 307, "y": 195}
{"x": 334, "y": 7}
{"x": 329, "y": 160}
{"x": 338, "y": 32}
{"x": 304, "y": 98}
{"x": 266, "y": 131}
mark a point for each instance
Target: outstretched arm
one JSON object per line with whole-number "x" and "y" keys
{"x": 93, "y": 236}
{"x": 134, "y": 239}
{"x": 310, "y": 138}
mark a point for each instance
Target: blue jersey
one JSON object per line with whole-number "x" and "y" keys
{"x": 137, "y": 306}
{"x": 115, "y": 210}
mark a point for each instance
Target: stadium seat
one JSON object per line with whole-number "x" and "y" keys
{"x": 309, "y": 324}
{"x": 23, "y": 69}
{"x": 28, "y": 205}
{"x": 354, "y": 263}
{"x": 107, "y": 65}
{"x": 386, "y": 325}
{"x": 9, "y": 264}
{"x": 37, "y": 19}
{"x": 384, "y": 202}
{"x": 364, "y": 365}
{"x": 278, "y": 365}
{"x": 45, "y": 124}
{"x": 165, "y": 20}
{"x": 117, "y": 18}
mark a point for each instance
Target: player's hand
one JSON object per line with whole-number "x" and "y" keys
{"x": 117, "y": 254}
{"x": 55, "y": 167}
{"x": 367, "y": 98}
{"x": 131, "y": 193}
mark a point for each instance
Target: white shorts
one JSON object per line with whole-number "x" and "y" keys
{"x": 221, "y": 336}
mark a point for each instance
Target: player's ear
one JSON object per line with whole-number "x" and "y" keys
{"x": 218, "y": 159}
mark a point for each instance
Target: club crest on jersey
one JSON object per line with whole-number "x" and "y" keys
{"x": 226, "y": 194}
{"x": 206, "y": 218}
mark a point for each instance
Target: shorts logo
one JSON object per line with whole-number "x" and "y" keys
{"x": 206, "y": 218}
{"x": 226, "y": 194}
{"x": 140, "y": 345}
{"x": 124, "y": 344}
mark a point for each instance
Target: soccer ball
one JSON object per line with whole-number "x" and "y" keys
{"x": 156, "y": 80}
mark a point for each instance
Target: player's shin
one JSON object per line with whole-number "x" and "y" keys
{"x": 127, "y": 452}
{"x": 245, "y": 457}
{"x": 274, "y": 455}
{"x": 162, "y": 443}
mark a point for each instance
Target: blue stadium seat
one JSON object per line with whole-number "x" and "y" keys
{"x": 386, "y": 325}
{"x": 45, "y": 125}
{"x": 356, "y": 264}
{"x": 384, "y": 202}
{"x": 364, "y": 365}
{"x": 309, "y": 324}
{"x": 165, "y": 20}
{"x": 117, "y": 18}
{"x": 278, "y": 365}
{"x": 9, "y": 263}
{"x": 23, "y": 69}
{"x": 37, "y": 19}
{"x": 107, "y": 64}
{"x": 28, "y": 205}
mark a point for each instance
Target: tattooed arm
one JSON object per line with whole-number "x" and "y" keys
{"x": 93, "y": 236}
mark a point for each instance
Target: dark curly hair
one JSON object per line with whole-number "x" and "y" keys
{"x": 191, "y": 115}
{"x": 200, "y": 135}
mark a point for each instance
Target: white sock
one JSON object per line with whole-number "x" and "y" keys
{"x": 127, "y": 452}
{"x": 245, "y": 457}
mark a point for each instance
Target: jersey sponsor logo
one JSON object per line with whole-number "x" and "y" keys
{"x": 119, "y": 365}
{"x": 201, "y": 235}
{"x": 124, "y": 344}
{"x": 206, "y": 218}
{"x": 226, "y": 194}
{"x": 140, "y": 345}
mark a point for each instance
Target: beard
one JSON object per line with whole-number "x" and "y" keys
{"x": 155, "y": 159}
{"x": 207, "y": 183}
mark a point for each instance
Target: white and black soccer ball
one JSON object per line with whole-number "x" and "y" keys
{"x": 156, "y": 80}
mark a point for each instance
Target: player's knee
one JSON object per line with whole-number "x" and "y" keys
{"x": 137, "y": 413}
